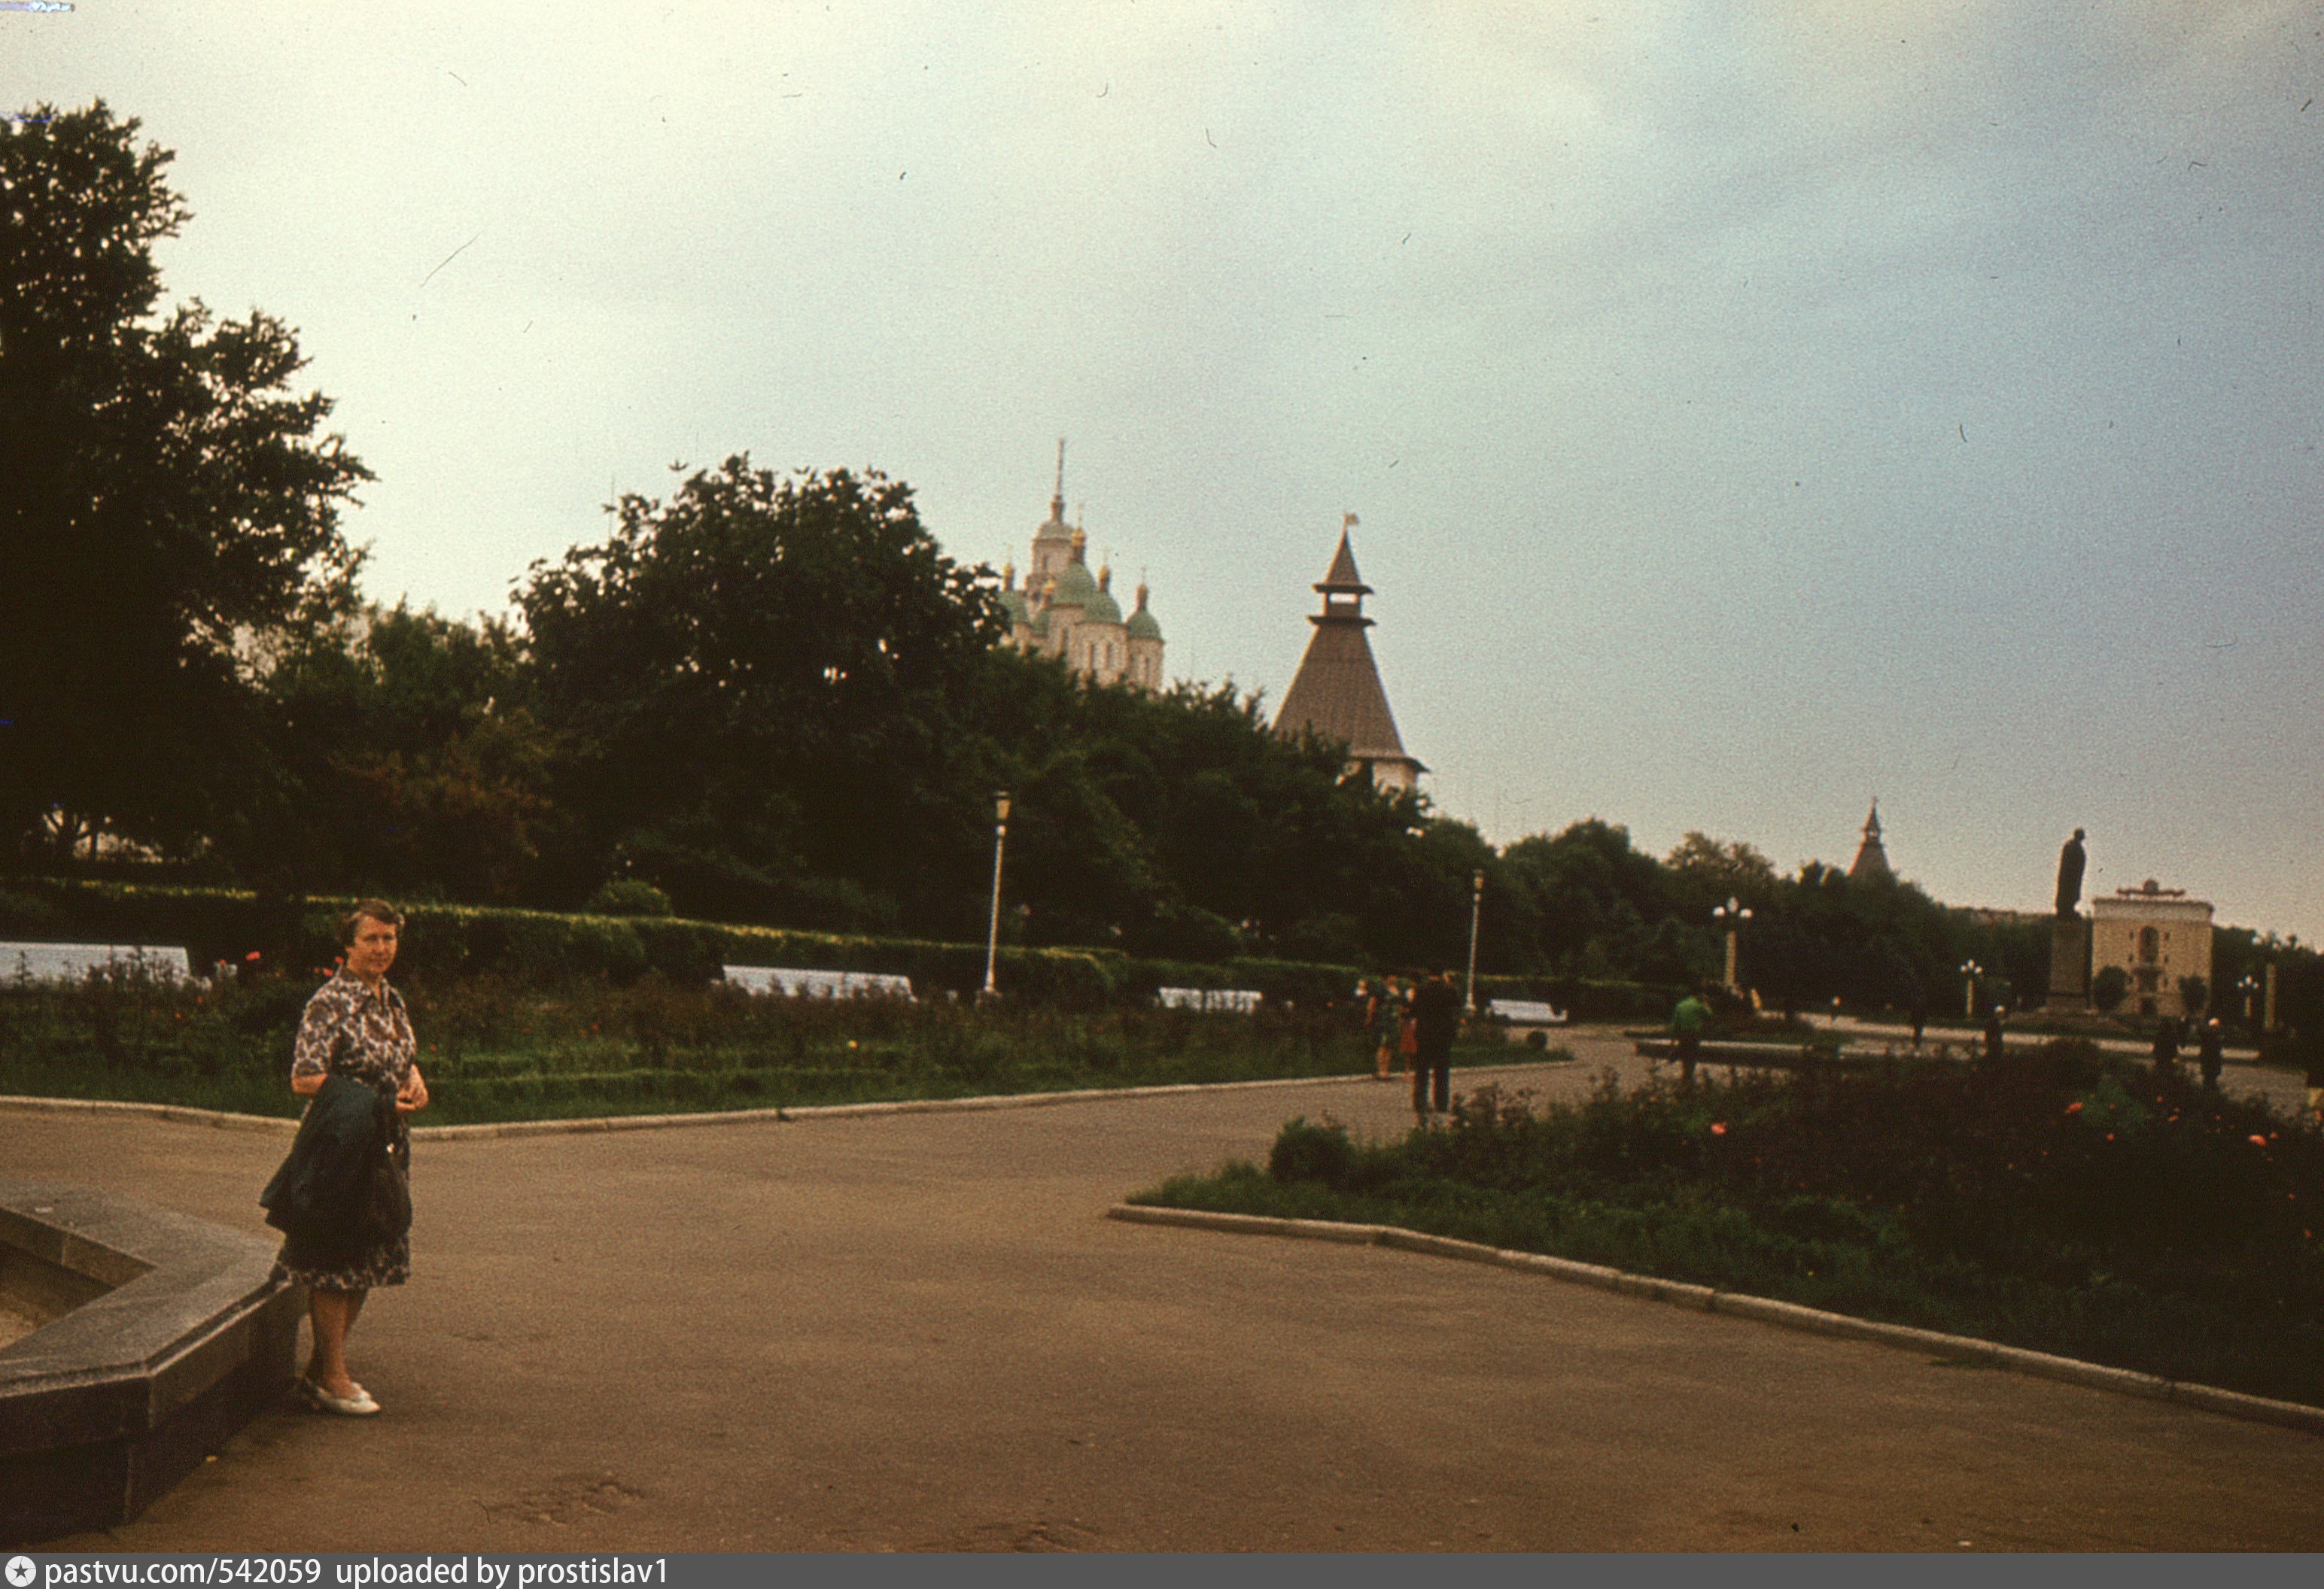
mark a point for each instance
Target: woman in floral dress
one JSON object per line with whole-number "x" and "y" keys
{"x": 355, "y": 1026}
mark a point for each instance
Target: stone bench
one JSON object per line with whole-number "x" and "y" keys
{"x": 73, "y": 963}
{"x": 800, "y": 984}
{"x": 1523, "y": 1020}
{"x": 1239, "y": 1001}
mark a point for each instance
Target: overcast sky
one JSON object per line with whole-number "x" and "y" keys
{"x": 1751, "y": 408}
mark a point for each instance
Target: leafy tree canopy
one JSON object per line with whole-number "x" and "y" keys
{"x": 408, "y": 761}
{"x": 164, "y": 499}
{"x": 759, "y": 673}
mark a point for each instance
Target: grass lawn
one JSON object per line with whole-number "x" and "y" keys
{"x": 2060, "y": 1203}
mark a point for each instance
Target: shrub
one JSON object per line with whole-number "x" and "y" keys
{"x": 1320, "y": 1151}
{"x": 629, "y": 896}
{"x": 2108, "y": 988}
{"x": 2194, "y": 993}
{"x": 2080, "y": 1206}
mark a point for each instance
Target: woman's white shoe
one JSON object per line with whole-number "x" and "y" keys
{"x": 359, "y": 1405}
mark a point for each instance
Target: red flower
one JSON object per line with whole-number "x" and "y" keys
{"x": 2258, "y": 1141}
{"x": 1718, "y": 1128}
{"x": 2075, "y": 1108}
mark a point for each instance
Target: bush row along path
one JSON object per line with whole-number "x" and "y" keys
{"x": 917, "y": 1331}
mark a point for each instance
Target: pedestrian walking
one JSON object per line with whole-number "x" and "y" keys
{"x": 2210, "y": 1053}
{"x": 1920, "y": 1016}
{"x": 1435, "y": 1021}
{"x": 1381, "y": 1023}
{"x": 1686, "y": 1024}
{"x": 2167, "y": 1032}
{"x": 1993, "y": 1046}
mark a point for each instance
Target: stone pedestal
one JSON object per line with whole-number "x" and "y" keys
{"x": 2069, "y": 964}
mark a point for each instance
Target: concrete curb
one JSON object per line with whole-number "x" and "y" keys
{"x": 183, "y": 1115}
{"x": 1765, "y": 1310}
{"x": 1007, "y": 1100}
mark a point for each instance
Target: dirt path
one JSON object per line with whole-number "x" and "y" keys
{"x": 917, "y": 1331}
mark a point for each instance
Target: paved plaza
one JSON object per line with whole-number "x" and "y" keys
{"x": 919, "y": 1332}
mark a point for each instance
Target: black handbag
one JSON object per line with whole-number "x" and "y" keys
{"x": 387, "y": 1189}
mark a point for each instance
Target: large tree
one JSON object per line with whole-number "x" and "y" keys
{"x": 166, "y": 505}
{"x": 758, "y": 674}
{"x": 408, "y": 761}
{"x": 1180, "y": 824}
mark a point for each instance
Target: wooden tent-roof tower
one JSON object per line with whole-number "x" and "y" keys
{"x": 1336, "y": 692}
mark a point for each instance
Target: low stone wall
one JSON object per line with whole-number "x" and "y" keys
{"x": 154, "y": 1336}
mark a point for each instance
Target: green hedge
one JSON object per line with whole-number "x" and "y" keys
{"x": 301, "y": 937}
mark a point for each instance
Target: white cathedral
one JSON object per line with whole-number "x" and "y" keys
{"x": 1064, "y": 612}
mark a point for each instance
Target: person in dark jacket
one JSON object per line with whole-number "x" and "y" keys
{"x": 2210, "y": 1053}
{"x": 356, "y": 1027}
{"x": 2167, "y": 1033}
{"x": 1994, "y": 1048}
{"x": 1437, "y": 1021}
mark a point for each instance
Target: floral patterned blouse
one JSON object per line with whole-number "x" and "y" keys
{"x": 350, "y": 1030}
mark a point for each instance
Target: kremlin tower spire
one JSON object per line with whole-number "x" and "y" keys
{"x": 1336, "y": 694}
{"x": 1871, "y": 855}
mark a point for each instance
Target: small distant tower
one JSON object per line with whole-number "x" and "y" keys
{"x": 1871, "y": 858}
{"x": 1144, "y": 634}
{"x": 1053, "y": 540}
{"x": 1337, "y": 692}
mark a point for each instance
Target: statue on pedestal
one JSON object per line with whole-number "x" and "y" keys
{"x": 2069, "y": 934}
{"x": 2071, "y": 862}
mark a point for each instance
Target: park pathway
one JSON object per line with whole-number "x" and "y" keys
{"x": 917, "y": 1331}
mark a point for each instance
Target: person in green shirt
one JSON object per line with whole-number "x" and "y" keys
{"x": 1686, "y": 1025}
{"x": 1383, "y": 1017}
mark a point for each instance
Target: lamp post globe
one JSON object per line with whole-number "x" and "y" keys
{"x": 1732, "y": 915}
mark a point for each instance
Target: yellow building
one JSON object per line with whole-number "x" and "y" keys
{"x": 2157, "y": 936}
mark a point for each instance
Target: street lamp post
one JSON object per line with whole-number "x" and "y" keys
{"x": 2247, "y": 987}
{"x": 1732, "y": 914}
{"x": 1476, "y": 912}
{"x": 1970, "y": 972}
{"x": 1000, "y": 842}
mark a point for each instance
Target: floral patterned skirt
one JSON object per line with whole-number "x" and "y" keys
{"x": 358, "y": 1266}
